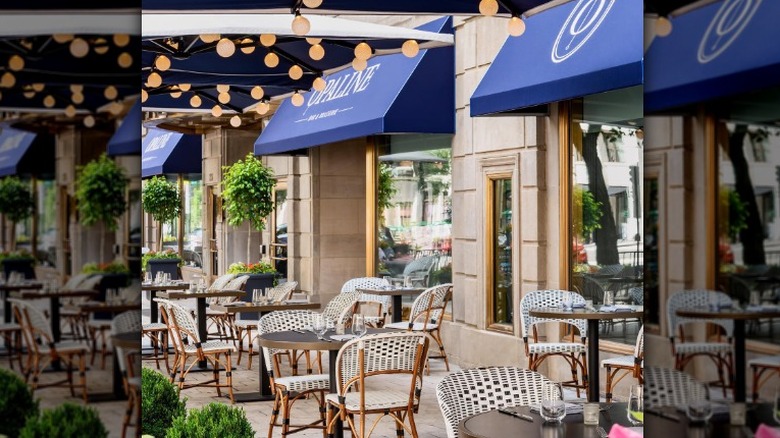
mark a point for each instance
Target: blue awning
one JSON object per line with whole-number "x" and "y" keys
{"x": 394, "y": 94}
{"x": 723, "y": 49}
{"x": 14, "y": 144}
{"x": 574, "y": 50}
{"x": 170, "y": 152}
{"x": 127, "y": 138}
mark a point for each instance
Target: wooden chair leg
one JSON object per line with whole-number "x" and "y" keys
{"x": 229, "y": 376}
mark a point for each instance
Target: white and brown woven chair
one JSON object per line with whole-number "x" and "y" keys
{"x": 187, "y": 345}
{"x": 290, "y": 389}
{"x": 245, "y": 327}
{"x": 719, "y": 349}
{"x": 76, "y": 320}
{"x": 427, "y": 311}
{"x": 130, "y": 367}
{"x": 469, "y": 392}
{"x": 763, "y": 368}
{"x": 571, "y": 350}
{"x": 665, "y": 387}
{"x": 381, "y": 302}
{"x": 621, "y": 366}
{"x": 221, "y": 320}
{"x": 42, "y": 350}
{"x": 362, "y": 361}
{"x": 341, "y": 307}
{"x": 11, "y": 333}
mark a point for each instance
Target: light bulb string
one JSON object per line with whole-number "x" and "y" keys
{"x": 307, "y": 68}
{"x": 295, "y": 9}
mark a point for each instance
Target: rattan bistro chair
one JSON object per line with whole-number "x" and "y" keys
{"x": 363, "y": 360}
{"x": 382, "y": 302}
{"x": 187, "y": 344}
{"x": 12, "y": 335}
{"x": 470, "y": 392}
{"x": 427, "y": 311}
{"x": 42, "y": 350}
{"x": 621, "y": 366}
{"x": 763, "y": 368}
{"x": 573, "y": 352}
{"x": 129, "y": 322}
{"x": 290, "y": 389}
{"x": 719, "y": 350}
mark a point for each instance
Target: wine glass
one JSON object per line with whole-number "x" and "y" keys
{"x": 552, "y": 408}
{"x": 318, "y": 326}
{"x": 359, "y": 325}
{"x": 147, "y": 277}
{"x": 699, "y": 405}
{"x": 256, "y": 296}
{"x": 568, "y": 301}
{"x": 636, "y": 405}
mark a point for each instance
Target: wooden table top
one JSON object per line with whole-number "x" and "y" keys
{"x": 306, "y": 340}
{"x": 733, "y": 313}
{"x": 129, "y": 340}
{"x": 104, "y": 307}
{"x": 395, "y": 291}
{"x": 586, "y": 313}
{"x": 169, "y": 287}
{"x": 59, "y": 294}
{"x": 21, "y": 286}
{"x": 180, "y": 295}
{"x": 243, "y": 307}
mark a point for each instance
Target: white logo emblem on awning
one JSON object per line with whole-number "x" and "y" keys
{"x": 583, "y": 21}
{"x": 731, "y": 19}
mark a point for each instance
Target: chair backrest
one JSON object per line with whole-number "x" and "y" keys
{"x": 369, "y": 283}
{"x": 610, "y": 269}
{"x": 35, "y": 325}
{"x": 421, "y": 266}
{"x": 126, "y": 322}
{"x": 473, "y": 391}
{"x": 235, "y": 283}
{"x": 182, "y": 322}
{"x": 592, "y": 289}
{"x": 341, "y": 307}
{"x": 74, "y": 281}
{"x": 280, "y": 321}
{"x": 638, "y": 295}
{"x": 548, "y": 298}
{"x": 639, "y": 347}
{"x": 428, "y": 307}
{"x": 669, "y": 387}
{"x": 384, "y": 353}
{"x": 282, "y": 292}
{"x": 165, "y": 316}
{"x": 696, "y": 298}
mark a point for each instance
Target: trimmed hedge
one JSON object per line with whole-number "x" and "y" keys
{"x": 65, "y": 421}
{"x": 16, "y": 403}
{"x": 160, "y": 403}
{"x": 214, "y": 420}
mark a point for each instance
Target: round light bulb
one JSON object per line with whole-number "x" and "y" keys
{"x": 121, "y": 39}
{"x": 271, "y": 60}
{"x": 16, "y": 63}
{"x": 488, "y": 7}
{"x": 267, "y": 39}
{"x": 297, "y": 99}
{"x": 359, "y": 64}
{"x": 185, "y": 87}
{"x": 116, "y": 108}
{"x": 163, "y": 63}
{"x": 195, "y": 101}
{"x": 176, "y": 94}
{"x": 313, "y": 40}
{"x": 300, "y": 25}
{"x": 48, "y": 101}
{"x": 101, "y": 46}
{"x": 76, "y": 88}
{"x": 235, "y": 121}
{"x": 77, "y": 98}
{"x": 226, "y": 48}
{"x": 257, "y": 92}
{"x": 663, "y": 27}
{"x": 38, "y": 87}
{"x": 248, "y": 47}
{"x": 110, "y": 92}
{"x": 79, "y": 48}
{"x": 319, "y": 84}
{"x": 263, "y": 108}
{"x": 316, "y": 52}
{"x": 8, "y": 80}
{"x": 70, "y": 110}
{"x": 410, "y": 48}
{"x": 144, "y": 95}
{"x": 312, "y": 3}
{"x": 29, "y": 94}
{"x": 89, "y": 121}
{"x": 216, "y": 111}
{"x": 295, "y": 72}
{"x": 125, "y": 60}
{"x": 222, "y": 88}
{"x": 363, "y": 51}
{"x": 154, "y": 80}
{"x": 516, "y": 26}
{"x": 209, "y": 38}
{"x": 62, "y": 38}
{"x": 224, "y": 98}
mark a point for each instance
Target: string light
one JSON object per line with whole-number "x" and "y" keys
{"x": 29, "y": 94}
{"x": 195, "y": 101}
{"x": 38, "y": 87}
{"x": 76, "y": 88}
{"x": 16, "y": 63}
{"x": 110, "y": 92}
{"x": 410, "y": 48}
{"x": 663, "y": 27}
{"x": 116, "y": 108}
{"x": 223, "y": 88}
{"x": 319, "y": 84}
{"x": 295, "y": 72}
{"x": 163, "y": 63}
{"x": 363, "y": 51}
{"x": 488, "y": 7}
{"x": 8, "y": 80}
{"x": 216, "y": 111}
{"x": 154, "y": 80}
{"x": 359, "y": 64}
{"x": 185, "y": 87}
{"x": 316, "y": 52}
{"x": 79, "y": 48}
{"x": 235, "y": 121}
{"x": 62, "y": 38}
{"x": 49, "y": 101}
{"x": 176, "y": 94}
{"x": 77, "y": 98}
{"x": 300, "y": 25}
{"x": 263, "y": 108}
{"x": 144, "y": 95}
{"x": 313, "y": 40}
{"x": 121, "y": 39}
{"x": 297, "y": 99}
{"x": 248, "y": 48}
{"x": 271, "y": 60}
{"x": 226, "y": 48}
{"x": 101, "y": 46}
{"x": 516, "y": 26}
{"x": 209, "y": 38}
{"x": 89, "y": 121}
{"x": 312, "y": 3}
{"x": 257, "y": 92}
{"x": 125, "y": 60}
{"x": 224, "y": 98}
{"x": 70, "y": 110}
{"x": 267, "y": 39}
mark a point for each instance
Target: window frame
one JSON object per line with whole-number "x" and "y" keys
{"x": 491, "y": 177}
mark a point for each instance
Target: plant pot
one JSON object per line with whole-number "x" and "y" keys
{"x": 256, "y": 281}
{"x": 25, "y": 266}
{"x": 110, "y": 282}
{"x": 168, "y": 266}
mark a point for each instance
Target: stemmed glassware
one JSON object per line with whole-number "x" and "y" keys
{"x": 319, "y": 326}
{"x": 636, "y": 405}
{"x": 359, "y": 325}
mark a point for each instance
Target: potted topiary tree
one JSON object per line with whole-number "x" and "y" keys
{"x": 100, "y": 194}
{"x": 161, "y": 199}
{"x": 247, "y": 194}
{"x": 16, "y": 203}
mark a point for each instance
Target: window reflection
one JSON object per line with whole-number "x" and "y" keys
{"x": 502, "y": 251}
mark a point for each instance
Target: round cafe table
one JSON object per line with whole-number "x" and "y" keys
{"x": 593, "y": 316}
{"x": 739, "y": 316}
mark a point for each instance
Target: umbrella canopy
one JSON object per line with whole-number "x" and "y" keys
{"x": 197, "y": 67}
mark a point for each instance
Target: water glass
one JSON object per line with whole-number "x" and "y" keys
{"x": 552, "y": 408}
{"x": 636, "y": 405}
{"x": 755, "y": 298}
{"x": 318, "y": 326}
{"x": 147, "y": 277}
{"x": 359, "y": 325}
{"x": 407, "y": 282}
{"x": 698, "y": 406}
{"x": 568, "y": 300}
{"x": 389, "y": 280}
{"x": 609, "y": 298}
{"x": 258, "y": 295}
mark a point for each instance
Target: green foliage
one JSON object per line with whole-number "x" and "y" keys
{"x": 105, "y": 268}
{"x": 16, "y": 199}
{"x": 65, "y": 421}
{"x": 248, "y": 192}
{"x": 385, "y": 189}
{"x": 160, "y": 403}
{"x": 16, "y": 403}
{"x": 213, "y": 420}
{"x": 586, "y": 217}
{"x": 737, "y": 209}
{"x": 167, "y": 254}
{"x": 100, "y": 192}
{"x": 443, "y": 275}
{"x": 21, "y": 254}
{"x": 251, "y": 268}
{"x": 161, "y": 199}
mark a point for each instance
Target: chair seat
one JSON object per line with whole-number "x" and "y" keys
{"x": 134, "y": 381}
{"x": 212, "y": 312}
{"x": 309, "y": 382}
{"x": 211, "y": 347}
{"x": 702, "y": 347}
{"x": 765, "y": 361}
{"x": 386, "y": 399}
{"x": 100, "y": 324}
{"x": 619, "y": 361}
{"x": 246, "y": 323}
{"x": 417, "y": 326}
{"x": 10, "y": 327}
{"x": 66, "y": 347}
{"x": 155, "y": 326}
{"x": 69, "y": 312}
{"x": 556, "y": 347}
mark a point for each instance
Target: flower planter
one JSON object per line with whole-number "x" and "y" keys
{"x": 168, "y": 266}
{"x": 25, "y": 266}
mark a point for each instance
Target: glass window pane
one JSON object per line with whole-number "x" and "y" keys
{"x": 502, "y": 251}
{"x": 193, "y": 221}
{"x": 279, "y": 247}
{"x": 47, "y": 222}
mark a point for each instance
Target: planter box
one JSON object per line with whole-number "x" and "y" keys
{"x": 25, "y": 266}
{"x": 168, "y": 266}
